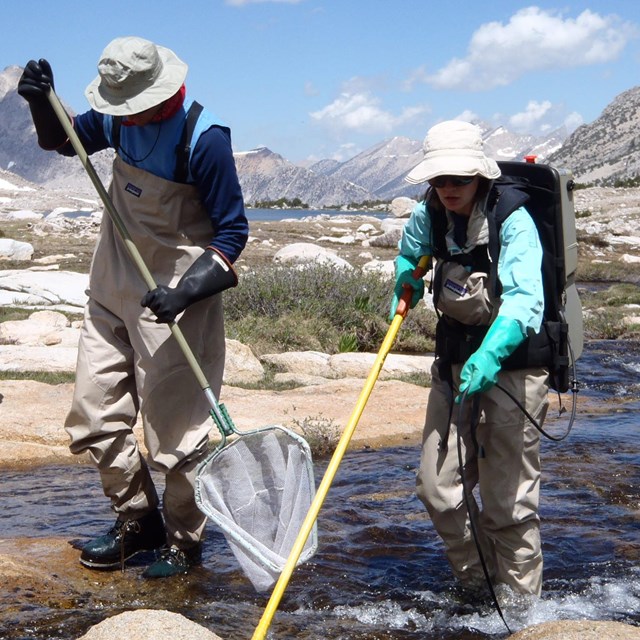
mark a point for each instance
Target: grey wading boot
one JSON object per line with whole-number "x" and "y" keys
{"x": 124, "y": 540}
{"x": 174, "y": 561}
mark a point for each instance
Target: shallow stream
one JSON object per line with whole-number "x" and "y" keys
{"x": 380, "y": 571}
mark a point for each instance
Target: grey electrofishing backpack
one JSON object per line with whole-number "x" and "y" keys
{"x": 547, "y": 194}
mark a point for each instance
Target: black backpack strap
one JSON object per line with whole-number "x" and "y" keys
{"x": 438, "y": 229}
{"x": 116, "y": 125}
{"x": 502, "y": 203}
{"x": 183, "y": 150}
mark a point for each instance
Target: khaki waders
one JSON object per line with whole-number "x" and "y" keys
{"x": 503, "y": 461}
{"x": 129, "y": 366}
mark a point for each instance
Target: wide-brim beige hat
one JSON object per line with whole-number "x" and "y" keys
{"x": 453, "y": 148}
{"x": 134, "y": 74}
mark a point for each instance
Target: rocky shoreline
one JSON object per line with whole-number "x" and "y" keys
{"x": 34, "y": 436}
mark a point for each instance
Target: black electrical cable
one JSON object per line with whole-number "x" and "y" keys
{"x": 574, "y": 391}
{"x": 468, "y": 496}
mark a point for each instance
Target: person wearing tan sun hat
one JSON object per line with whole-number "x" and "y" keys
{"x": 134, "y": 75}
{"x": 175, "y": 186}
{"x": 477, "y": 335}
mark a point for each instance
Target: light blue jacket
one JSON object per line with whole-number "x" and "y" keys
{"x": 519, "y": 264}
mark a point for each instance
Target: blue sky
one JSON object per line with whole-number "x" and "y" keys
{"x": 313, "y": 79}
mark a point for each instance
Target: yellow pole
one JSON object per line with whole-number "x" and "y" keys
{"x": 278, "y": 591}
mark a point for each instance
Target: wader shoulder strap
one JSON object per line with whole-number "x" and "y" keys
{"x": 183, "y": 150}
{"x": 116, "y": 125}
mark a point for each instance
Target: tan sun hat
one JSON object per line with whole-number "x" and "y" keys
{"x": 453, "y": 148}
{"x": 134, "y": 74}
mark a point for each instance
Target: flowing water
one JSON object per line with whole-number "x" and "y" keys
{"x": 380, "y": 571}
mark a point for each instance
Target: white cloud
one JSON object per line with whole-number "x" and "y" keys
{"x": 540, "y": 118}
{"x": 242, "y": 3}
{"x": 532, "y": 40}
{"x": 310, "y": 89}
{"x": 531, "y": 117}
{"x": 362, "y": 112}
{"x": 573, "y": 121}
{"x": 417, "y": 76}
{"x": 467, "y": 116}
{"x": 345, "y": 151}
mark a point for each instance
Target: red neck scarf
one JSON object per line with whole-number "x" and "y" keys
{"x": 168, "y": 109}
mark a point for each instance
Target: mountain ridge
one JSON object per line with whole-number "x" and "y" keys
{"x": 601, "y": 152}
{"x": 597, "y": 157}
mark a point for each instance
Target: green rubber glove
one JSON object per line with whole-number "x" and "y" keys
{"x": 480, "y": 371}
{"x": 405, "y": 266}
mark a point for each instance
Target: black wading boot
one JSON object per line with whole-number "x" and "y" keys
{"x": 174, "y": 561}
{"x": 124, "y": 540}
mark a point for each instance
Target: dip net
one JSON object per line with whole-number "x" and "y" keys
{"x": 258, "y": 489}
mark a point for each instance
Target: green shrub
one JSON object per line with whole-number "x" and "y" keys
{"x": 293, "y": 331}
{"x": 615, "y": 295}
{"x": 320, "y": 308}
{"x": 591, "y": 240}
{"x": 348, "y": 343}
{"x": 612, "y": 271}
{"x": 46, "y": 377}
{"x": 322, "y": 434}
{"x": 281, "y": 203}
{"x": 14, "y": 313}
{"x": 622, "y": 294}
{"x": 605, "y": 325}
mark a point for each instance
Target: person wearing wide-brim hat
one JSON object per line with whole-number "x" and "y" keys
{"x": 175, "y": 186}
{"x": 478, "y": 332}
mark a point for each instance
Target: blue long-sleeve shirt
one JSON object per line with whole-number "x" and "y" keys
{"x": 519, "y": 264}
{"x": 212, "y": 168}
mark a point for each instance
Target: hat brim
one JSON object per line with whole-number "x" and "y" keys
{"x": 174, "y": 72}
{"x": 453, "y": 165}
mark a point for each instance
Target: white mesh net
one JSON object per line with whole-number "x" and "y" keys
{"x": 258, "y": 490}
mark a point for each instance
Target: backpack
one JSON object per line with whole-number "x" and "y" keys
{"x": 547, "y": 194}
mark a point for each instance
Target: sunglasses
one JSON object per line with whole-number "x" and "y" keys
{"x": 457, "y": 181}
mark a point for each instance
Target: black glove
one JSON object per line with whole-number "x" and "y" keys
{"x": 34, "y": 85}
{"x": 36, "y": 81}
{"x": 208, "y": 275}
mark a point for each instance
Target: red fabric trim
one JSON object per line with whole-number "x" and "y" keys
{"x": 171, "y": 106}
{"x": 168, "y": 109}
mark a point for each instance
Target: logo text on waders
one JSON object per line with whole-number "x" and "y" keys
{"x": 133, "y": 190}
